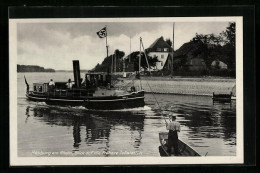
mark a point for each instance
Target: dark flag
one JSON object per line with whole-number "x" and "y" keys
{"x": 102, "y": 33}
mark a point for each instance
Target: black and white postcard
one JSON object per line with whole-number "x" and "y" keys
{"x": 126, "y": 91}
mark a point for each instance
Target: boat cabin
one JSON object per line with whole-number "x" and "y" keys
{"x": 86, "y": 88}
{"x": 80, "y": 87}
{"x": 40, "y": 87}
{"x": 93, "y": 80}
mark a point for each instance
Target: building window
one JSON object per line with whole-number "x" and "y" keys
{"x": 162, "y": 56}
{"x": 166, "y": 49}
{"x": 158, "y": 49}
{"x": 162, "y": 63}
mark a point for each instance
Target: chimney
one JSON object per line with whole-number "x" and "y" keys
{"x": 76, "y": 72}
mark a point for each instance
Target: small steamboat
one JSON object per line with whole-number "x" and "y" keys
{"x": 96, "y": 92}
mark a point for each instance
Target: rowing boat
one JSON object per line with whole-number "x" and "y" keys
{"x": 184, "y": 149}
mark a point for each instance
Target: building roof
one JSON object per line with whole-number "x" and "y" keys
{"x": 159, "y": 43}
{"x": 154, "y": 43}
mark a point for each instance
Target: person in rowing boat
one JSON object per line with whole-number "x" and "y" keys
{"x": 174, "y": 128}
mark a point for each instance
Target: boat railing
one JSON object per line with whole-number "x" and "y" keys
{"x": 128, "y": 88}
{"x": 66, "y": 93}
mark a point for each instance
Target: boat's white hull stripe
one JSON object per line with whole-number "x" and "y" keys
{"x": 85, "y": 100}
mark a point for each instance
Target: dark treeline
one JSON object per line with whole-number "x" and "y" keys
{"x": 33, "y": 68}
{"x": 133, "y": 58}
{"x": 209, "y": 48}
{"x": 106, "y": 64}
{"x": 131, "y": 62}
{"x": 221, "y": 47}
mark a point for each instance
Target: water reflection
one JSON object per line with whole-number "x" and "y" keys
{"x": 98, "y": 125}
{"x": 203, "y": 125}
{"x": 204, "y": 119}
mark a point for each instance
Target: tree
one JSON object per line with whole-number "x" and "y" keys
{"x": 229, "y": 36}
{"x": 220, "y": 46}
{"x": 169, "y": 42}
{"x": 106, "y": 64}
{"x": 135, "y": 59}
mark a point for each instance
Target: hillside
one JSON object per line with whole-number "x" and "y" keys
{"x": 32, "y": 68}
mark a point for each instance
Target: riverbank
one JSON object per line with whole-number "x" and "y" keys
{"x": 189, "y": 86}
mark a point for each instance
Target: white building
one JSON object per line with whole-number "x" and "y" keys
{"x": 159, "y": 49}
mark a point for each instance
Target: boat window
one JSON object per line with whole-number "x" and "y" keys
{"x": 40, "y": 88}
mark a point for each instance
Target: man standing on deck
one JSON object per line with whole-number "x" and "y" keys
{"x": 174, "y": 128}
{"x": 69, "y": 84}
{"x": 51, "y": 85}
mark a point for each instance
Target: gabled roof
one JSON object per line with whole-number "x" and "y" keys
{"x": 154, "y": 43}
{"x": 159, "y": 43}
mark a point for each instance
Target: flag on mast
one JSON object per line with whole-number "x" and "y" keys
{"x": 102, "y": 33}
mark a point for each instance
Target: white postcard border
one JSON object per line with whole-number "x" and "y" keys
{"x": 30, "y": 161}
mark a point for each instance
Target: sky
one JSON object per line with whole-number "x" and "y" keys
{"x": 55, "y": 45}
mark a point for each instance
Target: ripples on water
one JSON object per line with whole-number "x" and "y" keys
{"x": 71, "y": 131}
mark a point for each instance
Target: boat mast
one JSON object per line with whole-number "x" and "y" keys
{"x": 172, "y": 48}
{"x": 115, "y": 62}
{"x": 106, "y": 43}
{"x": 139, "y": 69}
{"x": 130, "y": 51}
{"x": 145, "y": 57}
{"x": 107, "y": 50}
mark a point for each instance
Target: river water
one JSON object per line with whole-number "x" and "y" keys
{"x": 45, "y": 130}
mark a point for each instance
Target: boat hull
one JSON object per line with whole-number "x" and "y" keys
{"x": 184, "y": 149}
{"x": 131, "y": 100}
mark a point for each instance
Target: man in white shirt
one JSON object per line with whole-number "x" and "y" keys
{"x": 69, "y": 84}
{"x": 174, "y": 128}
{"x": 51, "y": 82}
{"x": 51, "y": 85}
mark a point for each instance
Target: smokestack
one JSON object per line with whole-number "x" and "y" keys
{"x": 76, "y": 72}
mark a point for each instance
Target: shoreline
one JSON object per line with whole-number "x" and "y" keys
{"x": 170, "y": 93}
{"x": 184, "y": 86}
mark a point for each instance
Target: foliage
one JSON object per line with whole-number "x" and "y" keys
{"x": 220, "y": 47}
{"x": 135, "y": 60}
{"x": 33, "y": 68}
{"x": 169, "y": 42}
{"x": 107, "y": 62}
{"x": 229, "y": 36}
